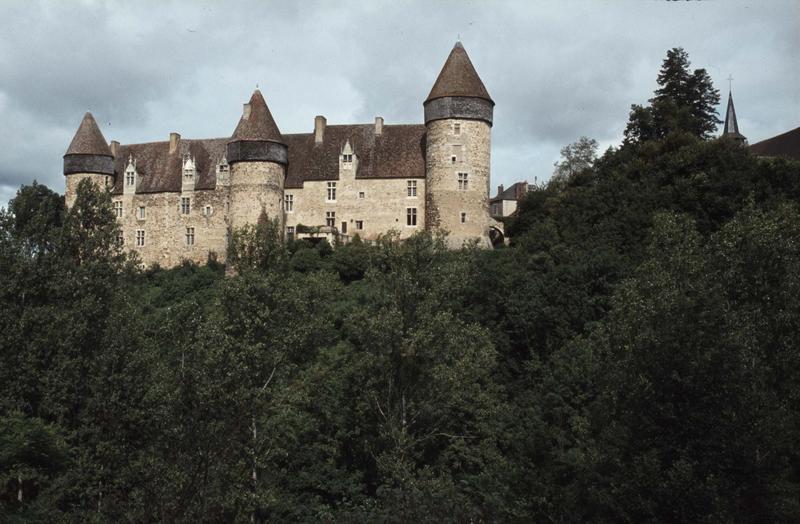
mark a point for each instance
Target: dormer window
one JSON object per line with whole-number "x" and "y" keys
{"x": 348, "y": 156}
{"x": 130, "y": 172}
{"x": 189, "y": 169}
{"x": 347, "y": 159}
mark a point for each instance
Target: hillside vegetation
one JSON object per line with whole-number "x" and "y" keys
{"x": 632, "y": 356}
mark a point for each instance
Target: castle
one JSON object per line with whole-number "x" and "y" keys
{"x": 180, "y": 199}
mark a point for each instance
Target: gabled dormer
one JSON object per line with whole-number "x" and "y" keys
{"x": 130, "y": 177}
{"x": 223, "y": 171}
{"x": 189, "y": 172}
{"x": 348, "y": 161}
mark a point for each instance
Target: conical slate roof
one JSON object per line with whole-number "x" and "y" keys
{"x": 88, "y": 139}
{"x": 259, "y": 124}
{"x": 458, "y": 78}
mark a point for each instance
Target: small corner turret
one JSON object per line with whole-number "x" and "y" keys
{"x": 88, "y": 156}
{"x": 88, "y": 152}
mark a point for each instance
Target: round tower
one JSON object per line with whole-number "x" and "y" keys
{"x": 257, "y": 157}
{"x": 88, "y": 156}
{"x": 458, "y": 117}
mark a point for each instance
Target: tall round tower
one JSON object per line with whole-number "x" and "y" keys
{"x": 88, "y": 156}
{"x": 257, "y": 157}
{"x": 458, "y": 117}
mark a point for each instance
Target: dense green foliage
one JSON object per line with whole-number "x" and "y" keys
{"x": 632, "y": 356}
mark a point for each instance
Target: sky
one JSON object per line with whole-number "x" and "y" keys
{"x": 557, "y": 70}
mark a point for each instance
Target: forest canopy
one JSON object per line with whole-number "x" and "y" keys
{"x": 631, "y": 356}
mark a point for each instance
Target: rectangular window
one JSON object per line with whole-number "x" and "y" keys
{"x": 207, "y": 211}
{"x": 456, "y": 128}
{"x": 331, "y": 192}
{"x": 141, "y": 213}
{"x": 361, "y": 195}
{"x": 411, "y": 188}
{"x": 344, "y": 228}
{"x": 289, "y": 233}
{"x": 330, "y": 218}
{"x": 140, "y": 238}
{"x": 463, "y": 181}
{"x": 118, "y": 209}
{"x": 463, "y": 217}
{"x": 186, "y": 205}
{"x": 411, "y": 216}
{"x": 120, "y": 239}
{"x": 288, "y": 203}
{"x": 189, "y": 236}
{"x": 359, "y": 225}
{"x": 453, "y": 159}
{"x": 129, "y": 177}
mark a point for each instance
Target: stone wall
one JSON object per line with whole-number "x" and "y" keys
{"x": 255, "y": 187}
{"x": 445, "y": 202}
{"x": 71, "y": 189}
{"x": 384, "y": 205}
{"x": 164, "y": 226}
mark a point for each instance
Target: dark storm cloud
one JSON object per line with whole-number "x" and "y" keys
{"x": 556, "y": 70}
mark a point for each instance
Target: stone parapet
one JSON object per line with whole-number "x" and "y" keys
{"x": 462, "y": 107}
{"x": 257, "y": 151}
{"x": 103, "y": 165}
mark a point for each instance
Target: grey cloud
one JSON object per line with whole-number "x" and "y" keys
{"x": 557, "y": 70}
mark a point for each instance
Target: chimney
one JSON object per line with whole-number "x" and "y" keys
{"x": 114, "y": 148}
{"x": 499, "y": 189}
{"x": 378, "y": 125}
{"x": 174, "y": 138}
{"x": 319, "y": 128}
{"x": 246, "y": 111}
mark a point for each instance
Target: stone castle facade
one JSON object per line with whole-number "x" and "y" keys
{"x": 180, "y": 199}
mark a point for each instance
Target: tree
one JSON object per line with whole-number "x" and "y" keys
{"x": 684, "y": 102}
{"x": 575, "y": 158}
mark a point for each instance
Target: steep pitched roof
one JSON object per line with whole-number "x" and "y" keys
{"x": 514, "y": 192}
{"x": 398, "y": 152}
{"x": 88, "y": 139}
{"x": 258, "y": 124}
{"x": 160, "y": 171}
{"x": 731, "y": 125}
{"x": 786, "y": 145}
{"x": 458, "y": 78}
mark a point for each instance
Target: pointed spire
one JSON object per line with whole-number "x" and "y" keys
{"x": 731, "y": 128}
{"x": 88, "y": 139}
{"x": 257, "y": 122}
{"x": 458, "y": 78}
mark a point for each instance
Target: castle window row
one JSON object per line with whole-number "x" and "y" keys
{"x": 185, "y": 209}
{"x": 140, "y": 237}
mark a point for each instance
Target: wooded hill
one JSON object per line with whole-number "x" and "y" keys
{"x": 631, "y": 357}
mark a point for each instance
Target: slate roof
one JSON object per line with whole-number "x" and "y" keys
{"x": 786, "y": 145}
{"x": 514, "y": 192}
{"x": 259, "y": 125}
{"x": 399, "y": 152}
{"x": 458, "y": 78}
{"x": 88, "y": 139}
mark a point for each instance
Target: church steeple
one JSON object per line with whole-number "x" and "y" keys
{"x": 731, "y": 128}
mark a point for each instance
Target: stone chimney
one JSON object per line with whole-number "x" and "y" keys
{"x": 246, "y": 111}
{"x": 378, "y": 125}
{"x": 114, "y": 148}
{"x": 319, "y": 129}
{"x": 500, "y": 189}
{"x": 174, "y": 138}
